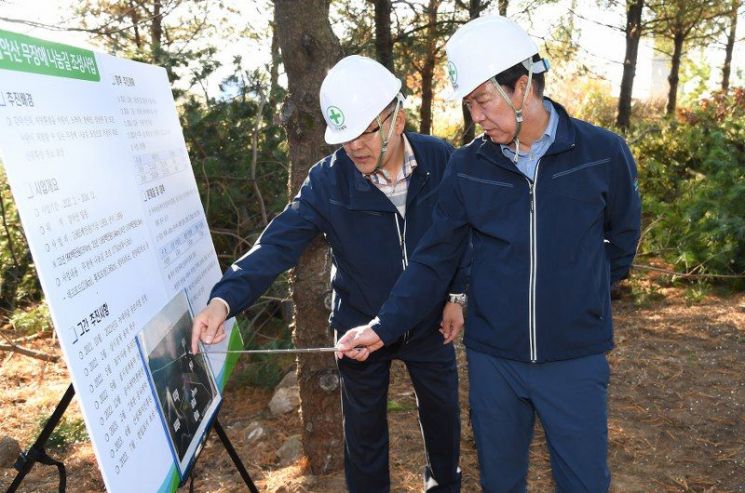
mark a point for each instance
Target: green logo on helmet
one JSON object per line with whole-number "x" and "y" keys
{"x": 453, "y": 74}
{"x": 335, "y": 115}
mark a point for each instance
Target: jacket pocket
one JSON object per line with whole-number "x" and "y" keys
{"x": 586, "y": 184}
{"x": 580, "y": 167}
{"x": 485, "y": 181}
{"x": 338, "y": 203}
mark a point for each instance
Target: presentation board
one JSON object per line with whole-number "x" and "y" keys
{"x": 99, "y": 170}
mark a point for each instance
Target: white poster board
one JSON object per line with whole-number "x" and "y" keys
{"x": 99, "y": 171}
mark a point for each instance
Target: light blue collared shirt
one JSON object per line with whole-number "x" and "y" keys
{"x": 527, "y": 162}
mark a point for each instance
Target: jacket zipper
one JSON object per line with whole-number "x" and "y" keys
{"x": 404, "y": 256}
{"x": 533, "y": 245}
{"x": 402, "y": 242}
{"x": 533, "y": 266}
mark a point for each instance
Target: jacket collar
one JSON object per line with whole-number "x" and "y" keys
{"x": 564, "y": 141}
{"x": 565, "y": 132}
{"x": 364, "y": 196}
{"x": 420, "y": 175}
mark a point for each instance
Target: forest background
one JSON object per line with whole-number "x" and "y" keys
{"x": 252, "y": 128}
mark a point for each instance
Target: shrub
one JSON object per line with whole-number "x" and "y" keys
{"x": 67, "y": 432}
{"x": 19, "y": 286}
{"x": 31, "y": 320}
{"x": 692, "y": 179}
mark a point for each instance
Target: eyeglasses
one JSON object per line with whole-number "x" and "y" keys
{"x": 376, "y": 128}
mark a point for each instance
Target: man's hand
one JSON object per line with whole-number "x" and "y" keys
{"x": 208, "y": 325}
{"x": 452, "y": 322}
{"x": 358, "y": 343}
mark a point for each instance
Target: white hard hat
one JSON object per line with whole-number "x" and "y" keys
{"x": 353, "y": 93}
{"x": 485, "y": 47}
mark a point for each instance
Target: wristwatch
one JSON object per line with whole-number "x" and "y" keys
{"x": 459, "y": 298}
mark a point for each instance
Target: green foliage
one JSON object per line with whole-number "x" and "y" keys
{"x": 67, "y": 432}
{"x": 693, "y": 186}
{"x": 175, "y": 34}
{"x": 691, "y": 177}
{"x": 400, "y": 407}
{"x": 696, "y": 292}
{"x": 32, "y": 319}
{"x": 264, "y": 370}
{"x": 695, "y": 75}
{"x": 219, "y": 138}
{"x": 354, "y": 24}
{"x": 563, "y": 45}
{"x": 645, "y": 293}
{"x": 18, "y": 283}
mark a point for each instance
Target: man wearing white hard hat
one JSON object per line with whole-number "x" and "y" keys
{"x": 372, "y": 199}
{"x": 553, "y": 210}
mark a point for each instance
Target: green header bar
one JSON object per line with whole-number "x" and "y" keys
{"x": 26, "y": 54}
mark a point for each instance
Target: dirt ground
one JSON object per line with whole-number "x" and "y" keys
{"x": 677, "y": 413}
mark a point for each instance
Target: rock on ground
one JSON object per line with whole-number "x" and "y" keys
{"x": 284, "y": 400}
{"x": 254, "y": 432}
{"x": 9, "y": 451}
{"x": 290, "y": 451}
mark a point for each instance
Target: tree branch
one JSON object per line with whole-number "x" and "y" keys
{"x": 254, "y": 154}
{"x": 14, "y": 348}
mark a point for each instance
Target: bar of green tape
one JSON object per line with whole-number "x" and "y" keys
{"x": 26, "y": 54}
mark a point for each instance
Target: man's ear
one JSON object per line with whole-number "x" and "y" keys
{"x": 400, "y": 121}
{"x": 521, "y": 85}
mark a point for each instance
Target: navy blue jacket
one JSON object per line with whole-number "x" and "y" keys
{"x": 544, "y": 253}
{"x": 359, "y": 223}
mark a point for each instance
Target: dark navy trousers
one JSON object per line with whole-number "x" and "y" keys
{"x": 570, "y": 398}
{"x": 364, "y": 390}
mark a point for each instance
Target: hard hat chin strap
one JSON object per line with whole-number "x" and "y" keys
{"x": 518, "y": 111}
{"x": 384, "y": 140}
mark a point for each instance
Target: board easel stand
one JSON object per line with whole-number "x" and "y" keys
{"x": 36, "y": 453}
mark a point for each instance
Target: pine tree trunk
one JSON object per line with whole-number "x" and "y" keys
{"x": 383, "y": 40}
{"x": 135, "y": 24}
{"x": 730, "y": 45}
{"x": 503, "y": 7}
{"x": 309, "y": 48}
{"x": 633, "y": 35}
{"x": 428, "y": 69}
{"x": 673, "y": 78}
{"x": 274, "y": 71}
{"x": 156, "y": 32}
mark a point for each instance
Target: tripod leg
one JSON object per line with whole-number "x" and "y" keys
{"x": 36, "y": 453}
{"x": 234, "y": 456}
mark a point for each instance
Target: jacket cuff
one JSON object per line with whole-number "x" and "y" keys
{"x": 385, "y": 333}
{"x": 458, "y": 286}
{"x": 231, "y": 302}
{"x": 225, "y": 303}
